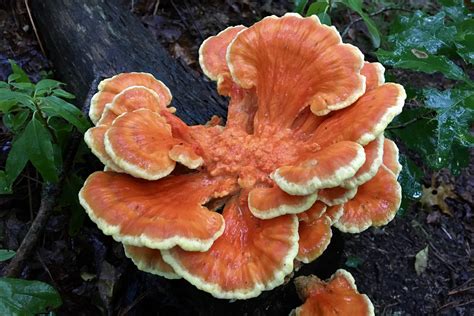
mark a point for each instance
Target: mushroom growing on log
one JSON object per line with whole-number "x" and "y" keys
{"x": 306, "y": 118}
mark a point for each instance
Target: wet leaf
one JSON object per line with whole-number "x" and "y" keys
{"x": 455, "y": 114}
{"x": 423, "y": 43}
{"x": 410, "y": 181}
{"x": 24, "y": 297}
{"x": 6, "y": 254}
{"x": 421, "y": 261}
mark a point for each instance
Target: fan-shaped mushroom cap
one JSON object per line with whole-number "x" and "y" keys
{"x": 150, "y": 260}
{"x": 212, "y": 53}
{"x": 315, "y": 212}
{"x": 110, "y": 87}
{"x": 314, "y": 238}
{"x": 94, "y": 138}
{"x": 130, "y": 134}
{"x": 374, "y": 75}
{"x": 336, "y": 196}
{"x": 366, "y": 119}
{"x": 390, "y": 156}
{"x": 338, "y": 296}
{"x": 252, "y": 255}
{"x": 266, "y": 203}
{"x": 294, "y": 62}
{"x": 375, "y": 203}
{"x": 155, "y": 214}
{"x": 326, "y": 168}
{"x": 373, "y": 160}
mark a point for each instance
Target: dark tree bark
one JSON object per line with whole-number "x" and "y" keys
{"x": 92, "y": 38}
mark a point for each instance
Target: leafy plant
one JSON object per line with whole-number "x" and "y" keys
{"x": 437, "y": 129}
{"x": 40, "y": 121}
{"x": 322, "y": 9}
{"x": 24, "y": 297}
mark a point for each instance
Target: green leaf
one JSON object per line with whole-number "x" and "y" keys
{"x": 421, "y": 61}
{"x": 423, "y": 43}
{"x": 6, "y": 254}
{"x": 353, "y": 262}
{"x": 356, "y": 5}
{"x": 455, "y": 109}
{"x": 410, "y": 181}
{"x": 54, "y": 106}
{"x": 63, "y": 94}
{"x": 19, "y": 74}
{"x": 15, "y": 121}
{"x": 4, "y": 184}
{"x": 24, "y": 297}
{"x": 40, "y": 150}
{"x": 317, "y": 7}
{"x": 24, "y": 87}
{"x": 300, "y": 5}
{"x": 17, "y": 158}
{"x": 4, "y": 85}
{"x": 45, "y": 86}
{"x": 324, "y": 18}
{"x": 8, "y": 99}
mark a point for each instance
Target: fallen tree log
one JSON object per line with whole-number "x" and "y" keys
{"x": 96, "y": 38}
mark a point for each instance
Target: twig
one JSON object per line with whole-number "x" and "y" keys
{"x": 413, "y": 120}
{"x": 348, "y": 27}
{"x": 34, "y": 27}
{"x": 461, "y": 290}
{"x": 157, "y": 4}
{"x": 455, "y": 304}
{"x": 48, "y": 199}
{"x": 134, "y": 303}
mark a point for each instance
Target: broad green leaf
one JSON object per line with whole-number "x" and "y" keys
{"x": 24, "y": 87}
{"x": 410, "y": 181}
{"x": 54, "y": 106}
{"x": 455, "y": 109}
{"x": 324, "y": 18}
{"x": 6, "y": 254}
{"x": 46, "y": 85}
{"x": 62, "y": 129}
{"x": 421, "y": 61}
{"x": 9, "y": 99}
{"x": 300, "y": 5}
{"x": 40, "y": 150}
{"x": 317, "y": 7}
{"x": 356, "y": 5}
{"x": 4, "y": 85}
{"x": 17, "y": 158}
{"x": 4, "y": 184}
{"x": 16, "y": 121}
{"x": 24, "y": 297}
{"x": 63, "y": 94}
{"x": 20, "y": 74}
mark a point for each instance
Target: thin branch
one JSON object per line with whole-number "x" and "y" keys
{"x": 48, "y": 199}
{"x": 413, "y": 120}
{"x": 348, "y": 27}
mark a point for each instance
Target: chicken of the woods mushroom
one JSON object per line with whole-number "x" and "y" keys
{"x": 303, "y": 149}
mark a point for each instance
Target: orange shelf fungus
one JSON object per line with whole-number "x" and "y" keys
{"x": 230, "y": 208}
{"x": 337, "y": 296}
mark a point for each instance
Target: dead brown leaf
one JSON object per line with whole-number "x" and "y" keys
{"x": 436, "y": 195}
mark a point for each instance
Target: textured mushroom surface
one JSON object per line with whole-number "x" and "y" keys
{"x": 337, "y": 296}
{"x": 229, "y": 208}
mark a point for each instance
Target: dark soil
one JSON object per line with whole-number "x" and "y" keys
{"x": 94, "y": 277}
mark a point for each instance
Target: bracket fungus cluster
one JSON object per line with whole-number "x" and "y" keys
{"x": 302, "y": 150}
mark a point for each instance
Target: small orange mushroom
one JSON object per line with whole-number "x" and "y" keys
{"x": 337, "y": 296}
{"x": 302, "y": 150}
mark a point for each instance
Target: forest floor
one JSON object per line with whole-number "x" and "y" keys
{"x": 93, "y": 276}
